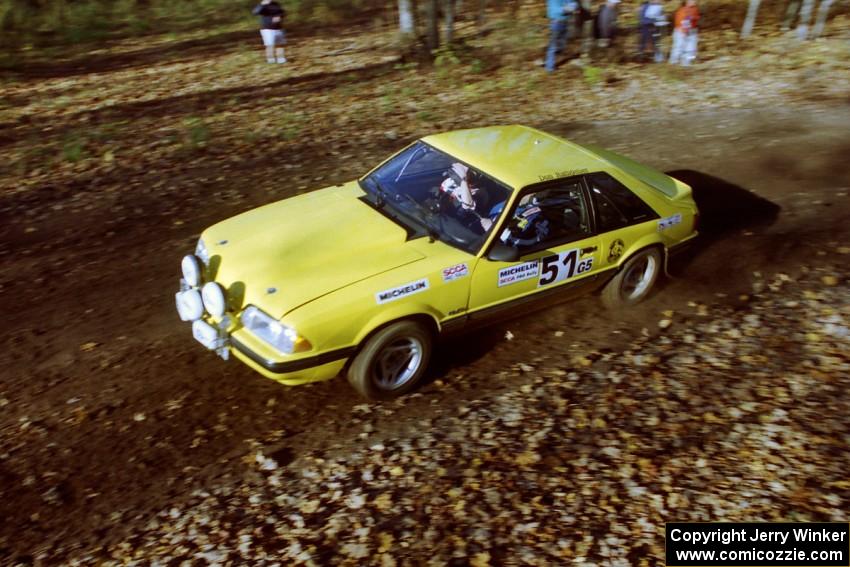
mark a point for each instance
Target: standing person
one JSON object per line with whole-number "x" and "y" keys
{"x": 685, "y": 33}
{"x": 271, "y": 28}
{"x": 650, "y": 21}
{"x": 559, "y": 12}
{"x": 606, "y": 23}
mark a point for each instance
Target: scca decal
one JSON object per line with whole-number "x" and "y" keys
{"x": 664, "y": 224}
{"x": 518, "y": 273}
{"x": 455, "y": 272}
{"x": 401, "y": 291}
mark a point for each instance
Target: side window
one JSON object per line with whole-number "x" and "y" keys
{"x": 616, "y": 205}
{"x": 550, "y": 216}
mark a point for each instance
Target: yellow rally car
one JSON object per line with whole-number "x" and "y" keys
{"x": 453, "y": 230}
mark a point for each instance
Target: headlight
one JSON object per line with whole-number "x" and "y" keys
{"x": 214, "y": 299}
{"x": 191, "y": 270}
{"x": 283, "y": 338}
{"x": 189, "y": 305}
{"x": 202, "y": 253}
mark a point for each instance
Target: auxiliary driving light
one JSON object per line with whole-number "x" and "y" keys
{"x": 190, "y": 306}
{"x": 191, "y": 270}
{"x": 214, "y": 299}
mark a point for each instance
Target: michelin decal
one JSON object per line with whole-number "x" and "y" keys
{"x": 518, "y": 273}
{"x": 401, "y": 291}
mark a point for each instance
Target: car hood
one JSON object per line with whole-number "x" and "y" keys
{"x": 283, "y": 255}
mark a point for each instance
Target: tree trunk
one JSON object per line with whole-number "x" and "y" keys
{"x": 586, "y": 29}
{"x": 750, "y": 20}
{"x": 820, "y": 22}
{"x": 481, "y": 17}
{"x": 805, "y": 19}
{"x": 790, "y": 14}
{"x": 449, "y": 9}
{"x": 405, "y": 18}
{"x": 432, "y": 32}
{"x": 515, "y": 9}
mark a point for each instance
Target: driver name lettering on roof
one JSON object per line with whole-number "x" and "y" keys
{"x": 401, "y": 291}
{"x": 518, "y": 273}
{"x": 560, "y": 174}
{"x": 666, "y": 223}
{"x": 455, "y": 272}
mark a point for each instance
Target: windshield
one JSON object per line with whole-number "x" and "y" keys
{"x": 455, "y": 203}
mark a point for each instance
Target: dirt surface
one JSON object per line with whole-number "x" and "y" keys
{"x": 720, "y": 419}
{"x": 110, "y": 412}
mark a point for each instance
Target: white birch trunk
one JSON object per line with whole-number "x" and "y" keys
{"x": 805, "y": 19}
{"x": 449, "y": 14}
{"x": 750, "y": 20}
{"x": 820, "y": 22}
{"x": 405, "y": 17}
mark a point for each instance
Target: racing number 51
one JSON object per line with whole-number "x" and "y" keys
{"x": 562, "y": 266}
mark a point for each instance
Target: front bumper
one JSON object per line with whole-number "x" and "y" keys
{"x": 295, "y": 372}
{"x": 224, "y": 337}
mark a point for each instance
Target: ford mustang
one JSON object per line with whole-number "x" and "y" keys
{"x": 450, "y": 232}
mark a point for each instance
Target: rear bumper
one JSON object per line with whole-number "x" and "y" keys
{"x": 682, "y": 246}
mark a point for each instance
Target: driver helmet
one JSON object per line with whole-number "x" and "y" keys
{"x": 529, "y": 226}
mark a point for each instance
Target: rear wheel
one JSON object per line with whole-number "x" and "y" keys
{"x": 634, "y": 281}
{"x": 393, "y": 361}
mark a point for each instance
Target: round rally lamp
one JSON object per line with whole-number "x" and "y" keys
{"x": 191, "y": 270}
{"x": 190, "y": 306}
{"x": 214, "y": 299}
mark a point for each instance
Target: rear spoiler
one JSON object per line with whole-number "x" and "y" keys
{"x": 661, "y": 182}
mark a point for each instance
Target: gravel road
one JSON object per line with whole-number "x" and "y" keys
{"x": 569, "y": 433}
{"x": 729, "y": 415}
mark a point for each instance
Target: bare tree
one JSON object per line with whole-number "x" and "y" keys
{"x": 432, "y": 32}
{"x": 405, "y": 18}
{"x": 481, "y": 17}
{"x": 750, "y": 20}
{"x": 586, "y": 29}
{"x": 820, "y": 22}
{"x": 805, "y": 18}
{"x": 790, "y": 14}
{"x": 449, "y": 14}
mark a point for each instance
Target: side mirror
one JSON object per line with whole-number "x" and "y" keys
{"x": 503, "y": 253}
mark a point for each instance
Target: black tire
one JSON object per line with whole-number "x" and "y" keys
{"x": 393, "y": 361}
{"x": 634, "y": 281}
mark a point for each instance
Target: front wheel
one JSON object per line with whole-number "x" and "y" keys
{"x": 393, "y": 361}
{"x": 634, "y": 281}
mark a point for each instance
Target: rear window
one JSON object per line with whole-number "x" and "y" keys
{"x": 616, "y": 205}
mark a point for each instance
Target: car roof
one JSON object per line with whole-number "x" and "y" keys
{"x": 517, "y": 155}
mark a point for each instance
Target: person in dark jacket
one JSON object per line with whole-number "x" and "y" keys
{"x": 650, "y": 24}
{"x": 271, "y": 29}
{"x": 606, "y": 23}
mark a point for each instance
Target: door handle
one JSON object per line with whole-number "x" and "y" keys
{"x": 588, "y": 250}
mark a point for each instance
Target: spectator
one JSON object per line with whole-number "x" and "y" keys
{"x": 650, "y": 22}
{"x": 685, "y": 32}
{"x": 271, "y": 29}
{"x": 559, "y": 12}
{"x": 606, "y": 23}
